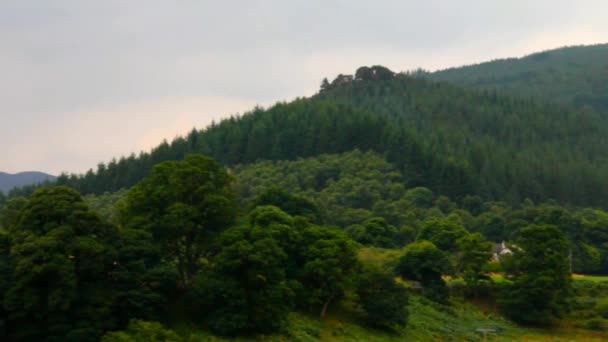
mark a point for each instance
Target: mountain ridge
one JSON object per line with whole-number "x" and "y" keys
{"x": 572, "y": 75}
{"x": 8, "y": 181}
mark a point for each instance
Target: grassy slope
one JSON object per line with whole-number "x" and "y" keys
{"x": 427, "y": 322}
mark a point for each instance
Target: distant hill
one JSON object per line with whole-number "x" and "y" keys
{"x": 9, "y": 181}
{"x": 571, "y": 75}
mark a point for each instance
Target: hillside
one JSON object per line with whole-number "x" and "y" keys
{"x": 575, "y": 76}
{"x": 452, "y": 140}
{"x": 9, "y": 181}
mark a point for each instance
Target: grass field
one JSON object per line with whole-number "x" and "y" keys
{"x": 593, "y": 278}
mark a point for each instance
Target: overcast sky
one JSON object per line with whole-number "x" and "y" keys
{"x": 83, "y": 81}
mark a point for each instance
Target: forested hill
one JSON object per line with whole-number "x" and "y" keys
{"x": 452, "y": 140}
{"x": 9, "y": 181}
{"x": 574, "y": 75}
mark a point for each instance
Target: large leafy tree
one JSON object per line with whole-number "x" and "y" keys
{"x": 328, "y": 264}
{"x": 475, "y": 253}
{"x": 246, "y": 288}
{"x": 541, "y": 288}
{"x": 143, "y": 281}
{"x": 382, "y": 299}
{"x": 183, "y": 204}
{"x": 61, "y": 254}
{"x": 444, "y": 233}
{"x": 422, "y": 261}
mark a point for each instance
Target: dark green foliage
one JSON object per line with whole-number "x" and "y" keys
{"x": 492, "y": 225}
{"x": 442, "y": 232}
{"x": 453, "y": 141}
{"x": 472, "y": 138}
{"x": 420, "y": 197}
{"x": 142, "y": 331}
{"x": 61, "y": 253}
{"x": 11, "y": 211}
{"x": 246, "y": 288}
{"x": 6, "y": 279}
{"x": 382, "y": 299}
{"x": 375, "y": 232}
{"x": 144, "y": 282}
{"x": 328, "y": 262}
{"x": 573, "y": 76}
{"x": 541, "y": 288}
{"x": 423, "y": 262}
{"x": 182, "y": 204}
{"x": 475, "y": 253}
{"x": 293, "y": 205}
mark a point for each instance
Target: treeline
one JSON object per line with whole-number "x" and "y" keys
{"x": 513, "y": 148}
{"x": 286, "y": 131}
{"x": 360, "y": 189}
{"x": 185, "y": 244}
{"x": 453, "y": 141}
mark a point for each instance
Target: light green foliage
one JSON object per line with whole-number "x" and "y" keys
{"x": 142, "y": 331}
{"x": 350, "y": 188}
{"x": 541, "y": 288}
{"x": 601, "y": 308}
{"x": 107, "y": 205}
{"x": 183, "y": 204}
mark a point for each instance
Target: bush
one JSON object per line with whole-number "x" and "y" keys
{"x": 597, "y": 324}
{"x": 142, "y": 331}
{"x": 382, "y": 299}
{"x": 601, "y": 308}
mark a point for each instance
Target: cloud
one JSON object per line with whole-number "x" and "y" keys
{"x": 74, "y": 72}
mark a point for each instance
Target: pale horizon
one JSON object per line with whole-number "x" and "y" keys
{"x": 85, "y": 83}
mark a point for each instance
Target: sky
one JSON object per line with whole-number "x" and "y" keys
{"x": 84, "y": 81}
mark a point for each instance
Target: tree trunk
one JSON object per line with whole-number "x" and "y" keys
{"x": 325, "y": 306}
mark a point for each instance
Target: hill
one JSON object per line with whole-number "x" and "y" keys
{"x": 447, "y": 138}
{"x": 575, "y": 76}
{"x": 10, "y": 181}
